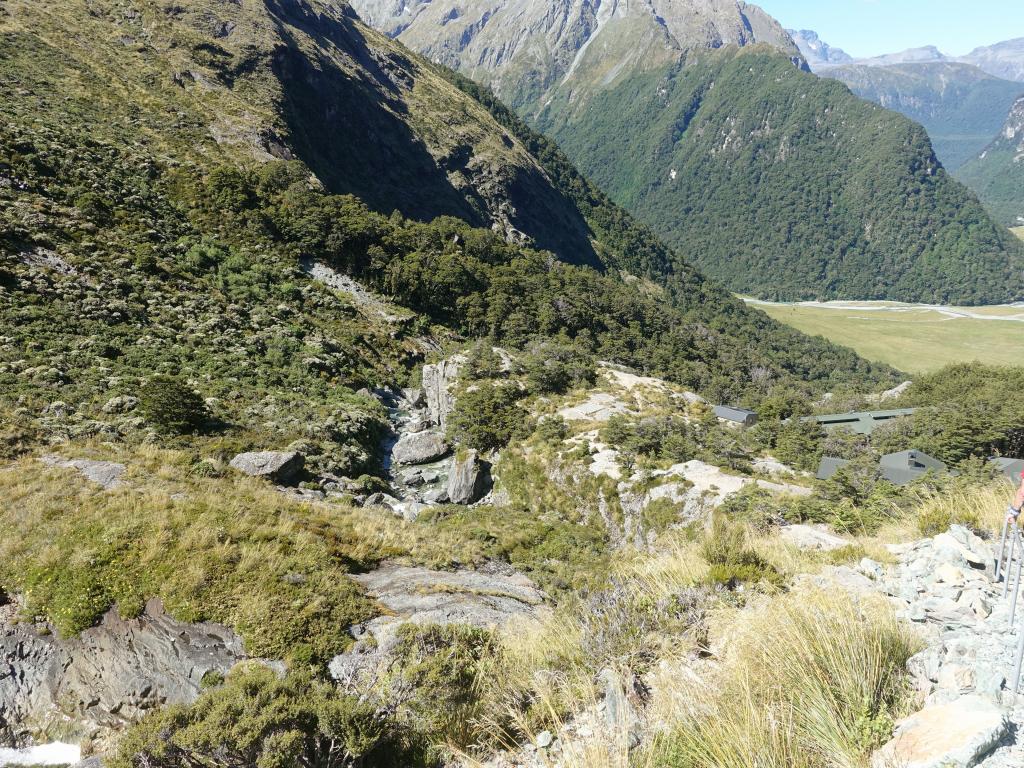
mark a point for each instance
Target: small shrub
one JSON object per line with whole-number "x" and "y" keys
{"x": 552, "y": 429}
{"x": 255, "y": 719}
{"x": 437, "y": 678}
{"x": 488, "y": 416}
{"x": 555, "y": 368}
{"x": 732, "y": 562}
{"x": 172, "y": 407}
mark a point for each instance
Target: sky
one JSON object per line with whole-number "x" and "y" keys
{"x": 873, "y": 27}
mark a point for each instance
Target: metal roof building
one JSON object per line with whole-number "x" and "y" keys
{"x": 900, "y": 468}
{"x": 860, "y": 422}
{"x": 736, "y": 415}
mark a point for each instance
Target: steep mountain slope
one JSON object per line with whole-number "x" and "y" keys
{"x": 777, "y": 183}
{"x": 961, "y": 106}
{"x": 998, "y": 173}
{"x": 528, "y": 50}
{"x": 786, "y": 186}
{"x": 816, "y": 51}
{"x": 147, "y": 225}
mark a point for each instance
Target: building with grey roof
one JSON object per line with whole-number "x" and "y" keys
{"x": 900, "y": 468}
{"x": 736, "y": 415}
{"x": 1010, "y": 468}
{"x": 860, "y": 422}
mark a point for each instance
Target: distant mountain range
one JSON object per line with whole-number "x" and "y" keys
{"x": 961, "y": 106}
{"x": 530, "y": 51}
{"x": 969, "y": 105}
{"x": 1003, "y": 60}
{"x": 818, "y": 53}
{"x": 701, "y": 117}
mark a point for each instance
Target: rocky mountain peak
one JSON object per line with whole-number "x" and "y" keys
{"x": 818, "y": 53}
{"x": 526, "y": 48}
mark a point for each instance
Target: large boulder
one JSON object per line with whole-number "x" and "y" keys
{"x": 104, "y": 473}
{"x": 439, "y": 382}
{"x": 279, "y": 466}
{"x": 959, "y": 734}
{"x": 108, "y": 676}
{"x": 469, "y": 479}
{"x": 420, "y": 447}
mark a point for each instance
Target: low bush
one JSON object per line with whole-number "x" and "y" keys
{"x": 488, "y": 415}
{"x": 257, "y": 720}
{"x": 732, "y": 561}
{"x": 437, "y": 680}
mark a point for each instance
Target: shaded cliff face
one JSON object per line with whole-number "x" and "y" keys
{"x": 527, "y": 50}
{"x": 255, "y": 81}
{"x": 998, "y": 172}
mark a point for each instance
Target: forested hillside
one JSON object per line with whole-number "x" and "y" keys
{"x": 786, "y": 186}
{"x": 959, "y": 105}
{"x": 997, "y": 173}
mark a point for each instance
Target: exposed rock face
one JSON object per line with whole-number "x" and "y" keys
{"x": 424, "y": 597}
{"x": 420, "y": 447}
{"x": 107, "y": 677}
{"x": 439, "y": 382}
{"x": 496, "y": 41}
{"x": 279, "y": 466}
{"x": 954, "y": 735}
{"x": 470, "y": 479}
{"x": 104, "y": 473}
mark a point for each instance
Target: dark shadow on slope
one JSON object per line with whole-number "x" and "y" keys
{"x": 341, "y": 126}
{"x": 349, "y": 130}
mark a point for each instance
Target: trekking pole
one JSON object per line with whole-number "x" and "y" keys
{"x": 1002, "y": 550}
{"x": 1017, "y": 665}
{"x": 1009, "y": 564}
{"x": 1016, "y": 580}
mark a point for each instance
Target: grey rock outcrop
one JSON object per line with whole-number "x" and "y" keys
{"x": 107, "y": 677}
{"x": 279, "y": 466}
{"x": 958, "y": 734}
{"x": 439, "y": 382}
{"x": 420, "y": 447}
{"x": 104, "y": 473}
{"x": 470, "y": 479}
{"x": 422, "y": 596}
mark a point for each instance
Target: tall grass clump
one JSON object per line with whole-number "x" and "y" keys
{"x": 809, "y": 679}
{"x": 979, "y": 507}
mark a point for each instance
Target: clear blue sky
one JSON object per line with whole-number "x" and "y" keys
{"x": 872, "y": 27}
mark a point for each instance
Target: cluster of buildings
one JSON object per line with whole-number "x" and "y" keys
{"x": 900, "y": 468}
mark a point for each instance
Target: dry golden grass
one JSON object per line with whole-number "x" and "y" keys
{"x": 805, "y": 679}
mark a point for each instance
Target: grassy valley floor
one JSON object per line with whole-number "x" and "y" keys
{"x": 915, "y": 338}
{"x": 1019, "y": 232}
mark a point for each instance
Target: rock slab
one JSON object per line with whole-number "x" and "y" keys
{"x": 812, "y": 538}
{"x": 108, "y": 676}
{"x": 279, "y": 466}
{"x": 104, "y": 473}
{"x": 959, "y": 734}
